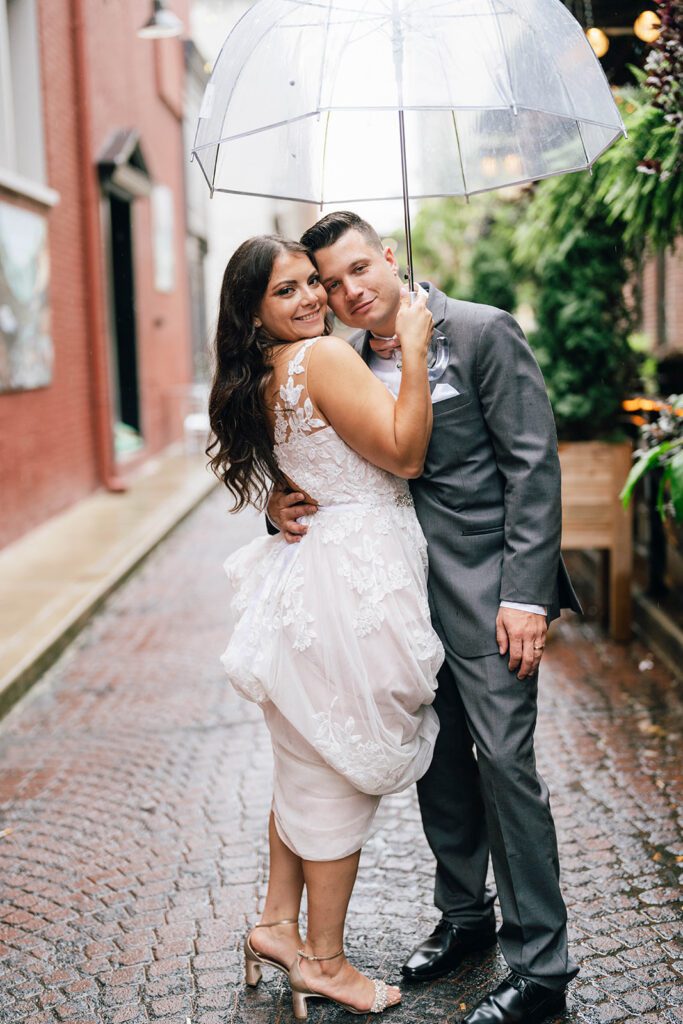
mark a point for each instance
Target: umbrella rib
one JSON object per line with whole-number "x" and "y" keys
{"x": 607, "y": 145}
{"x": 314, "y": 113}
{"x": 457, "y": 143}
{"x": 323, "y": 6}
{"x": 568, "y": 117}
{"x": 589, "y": 162}
{"x": 505, "y": 55}
{"x": 374, "y": 199}
{"x": 269, "y": 28}
{"x": 257, "y": 131}
{"x": 347, "y": 41}
{"x": 320, "y": 97}
{"x": 583, "y": 144}
{"x": 215, "y": 65}
{"x": 455, "y": 123}
{"x": 324, "y": 154}
{"x": 324, "y": 52}
{"x": 447, "y": 3}
{"x": 206, "y": 177}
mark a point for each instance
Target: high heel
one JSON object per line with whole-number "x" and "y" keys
{"x": 299, "y": 1005}
{"x": 254, "y": 961}
{"x": 252, "y": 968}
{"x": 301, "y": 992}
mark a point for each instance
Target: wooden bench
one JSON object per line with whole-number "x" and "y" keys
{"x": 593, "y": 474}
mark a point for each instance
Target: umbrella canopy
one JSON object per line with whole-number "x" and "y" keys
{"x": 336, "y": 101}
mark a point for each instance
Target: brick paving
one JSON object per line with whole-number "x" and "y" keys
{"x": 134, "y": 791}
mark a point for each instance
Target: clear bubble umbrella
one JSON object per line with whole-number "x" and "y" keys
{"x": 337, "y": 101}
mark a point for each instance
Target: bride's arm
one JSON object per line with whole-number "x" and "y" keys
{"x": 391, "y": 433}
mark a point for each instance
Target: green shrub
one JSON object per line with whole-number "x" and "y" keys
{"x": 466, "y": 249}
{"x": 583, "y": 325}
{"x": 494, "y": 279}
{"x": 643, "y": 177}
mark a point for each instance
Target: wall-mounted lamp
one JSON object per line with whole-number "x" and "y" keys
{"x": 598, "y": 40}
{"x": 647, "y": 26}
{"x": 162, "y": 24}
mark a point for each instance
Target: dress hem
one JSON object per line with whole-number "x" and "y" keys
{"x": 318, "y": 860}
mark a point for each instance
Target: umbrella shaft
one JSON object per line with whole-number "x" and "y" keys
{"x": 406, "y": 200}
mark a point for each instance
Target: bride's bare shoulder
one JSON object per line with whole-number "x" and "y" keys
{"x": 332, "y": 347}
{"x": 336, "y": 373}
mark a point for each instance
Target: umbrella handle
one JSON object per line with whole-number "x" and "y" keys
{"x": 406, "y": 201}
{"x": 439, "y": 350}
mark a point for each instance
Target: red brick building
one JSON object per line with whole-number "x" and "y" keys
{"x": 94, "y": 298}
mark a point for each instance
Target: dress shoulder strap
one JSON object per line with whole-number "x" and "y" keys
{"x": 295, "y": 413}
{"x": 301, "y": 355}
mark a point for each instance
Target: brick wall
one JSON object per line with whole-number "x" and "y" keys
{"x": 48, "y": 456}
{"x": 129, "y": 91}
{"x": 47, "y": 459}
{"x": 670, "y": 265}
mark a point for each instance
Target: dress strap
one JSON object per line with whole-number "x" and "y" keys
{"x": 295, "y": 413}
{"x": 295, "y": 364}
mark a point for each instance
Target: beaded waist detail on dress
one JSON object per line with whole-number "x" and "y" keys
{"x": 396, "y": 500}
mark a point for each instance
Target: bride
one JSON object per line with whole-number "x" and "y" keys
{"x": 332, "y": 637}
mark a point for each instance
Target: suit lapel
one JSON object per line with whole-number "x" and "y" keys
{"x": 360, "y": 341}
{"x": 436, "y": 303}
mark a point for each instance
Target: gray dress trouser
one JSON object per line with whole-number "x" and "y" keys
{"x": 489, "y": 502}
{"x": 495, "y": 801}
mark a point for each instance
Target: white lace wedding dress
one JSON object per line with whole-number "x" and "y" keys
{"x": 333, "y": 637}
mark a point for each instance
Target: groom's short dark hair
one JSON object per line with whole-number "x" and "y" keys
{"x": 330, "y": 228}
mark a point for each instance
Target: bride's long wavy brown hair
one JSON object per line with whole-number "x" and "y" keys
{"x": 241, "y": 452}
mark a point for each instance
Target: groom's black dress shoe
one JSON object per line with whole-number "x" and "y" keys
{"x": 517, "y": 1001}
{"x": 444, "y": 950}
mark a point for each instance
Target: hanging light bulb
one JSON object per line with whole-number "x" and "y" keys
{"x": 162, "y": 23}
{"x": 598, "y": 40}
{"x": 647, "y": 26}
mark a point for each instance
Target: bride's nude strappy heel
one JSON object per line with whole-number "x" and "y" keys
{"x": 253, "y": 961}
{"x": 301, "y": 992}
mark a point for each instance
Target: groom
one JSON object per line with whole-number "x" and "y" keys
{"x": 489, "y": 504}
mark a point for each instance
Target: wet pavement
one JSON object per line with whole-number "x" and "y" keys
{"x": 134, "y": 790}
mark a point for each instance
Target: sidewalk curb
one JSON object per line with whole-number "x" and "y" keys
{"x": 16, "y": 683}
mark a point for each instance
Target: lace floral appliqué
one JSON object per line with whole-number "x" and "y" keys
{"x": 363, "y": 761}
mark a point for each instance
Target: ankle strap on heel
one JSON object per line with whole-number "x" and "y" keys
{"x": 273, "y": 924}
{"x": 305, "y": 956}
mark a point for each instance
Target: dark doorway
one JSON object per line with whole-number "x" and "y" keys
{"x": 124, "y": 356}
{"x": 124, "y": 178}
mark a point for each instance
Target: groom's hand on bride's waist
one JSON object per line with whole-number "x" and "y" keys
{"x": 284, "y": 508}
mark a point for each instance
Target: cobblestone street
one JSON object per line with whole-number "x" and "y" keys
{"x": 135, "y": 789}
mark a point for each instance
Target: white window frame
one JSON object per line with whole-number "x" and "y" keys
{"x": 26, "y": 181}
{"x": 7, "y": 131}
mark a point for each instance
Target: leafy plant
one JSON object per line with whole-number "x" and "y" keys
{"x": 641, "y": 182}
{"x": 576, "y": 244}
{"x": 442, "y": 236}
{"x": 493, "y": 278}
{"x": 661, "y": 448}
{"x": 467, "y": 248}
{"x": 642, "y": 179}
{"x": 580, "y": 267}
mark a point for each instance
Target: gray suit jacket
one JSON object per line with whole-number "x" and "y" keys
{"x": 489, "y": 497}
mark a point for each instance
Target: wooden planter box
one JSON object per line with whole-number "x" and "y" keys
{"x": 593, "y": 474}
